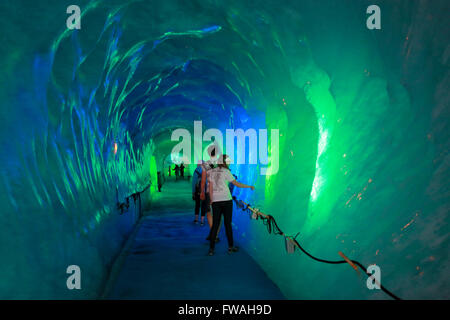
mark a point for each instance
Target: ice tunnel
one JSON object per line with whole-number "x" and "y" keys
{"x": 87, "y": 117}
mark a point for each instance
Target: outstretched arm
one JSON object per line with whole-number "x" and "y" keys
{"x": 241, "y": 185}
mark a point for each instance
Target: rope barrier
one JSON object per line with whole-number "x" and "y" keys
{"x": 123, "y": 206}
{"x": 272, "y": 227}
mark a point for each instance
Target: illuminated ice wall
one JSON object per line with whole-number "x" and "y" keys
{"x": 86, "y": 119}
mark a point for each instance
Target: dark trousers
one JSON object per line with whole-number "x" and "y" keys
{"x": 200, "y": 206}
{"x": 220, "y": 208}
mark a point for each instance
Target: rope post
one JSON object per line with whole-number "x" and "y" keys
{"x": 349, "y": 262}
{"x": 291, "y": 243}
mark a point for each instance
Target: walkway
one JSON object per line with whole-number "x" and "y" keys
{"x": 167, "y": 258}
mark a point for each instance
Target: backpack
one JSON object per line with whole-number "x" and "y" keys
{"x": 199, "y": 181}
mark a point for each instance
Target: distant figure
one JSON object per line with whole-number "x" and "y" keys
{"x": 199, "y": 204}
{"x": 159, "y": 181}
{"x": 177, "y": 171}
{"x": 221, "y": 201}
{"x": 182, "y": 170}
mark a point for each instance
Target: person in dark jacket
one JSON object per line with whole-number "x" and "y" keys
{"x": 199, "y": 204}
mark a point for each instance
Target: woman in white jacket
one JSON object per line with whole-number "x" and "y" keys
{"x": 221, "y": 201}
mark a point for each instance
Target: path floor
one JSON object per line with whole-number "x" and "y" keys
{"x": 167, "y": 258}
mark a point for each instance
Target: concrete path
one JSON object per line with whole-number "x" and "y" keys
{"x": 167, "y": 258}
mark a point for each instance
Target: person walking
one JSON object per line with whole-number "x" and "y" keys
{"x": 177, "y": 171}
{"x": 199, "y": 204}
{"x": 221, "y": 201}
{"x": 204, "y": 189}
{"x": 182, "y": 170}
